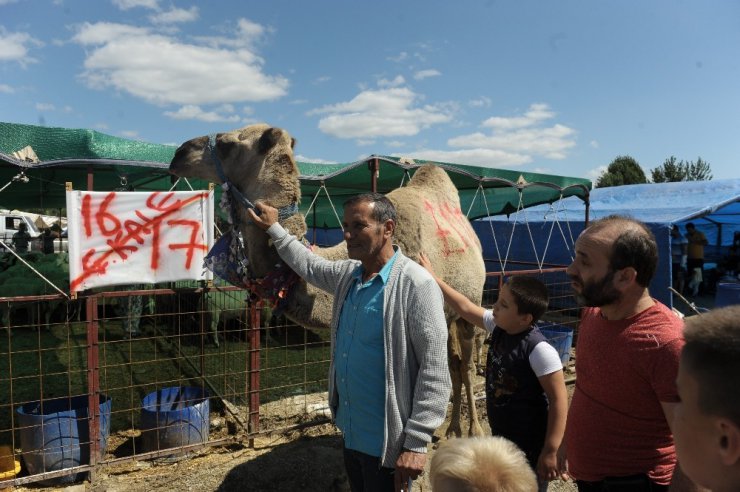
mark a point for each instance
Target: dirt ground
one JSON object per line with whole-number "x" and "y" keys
{"x": 301, "y": 460}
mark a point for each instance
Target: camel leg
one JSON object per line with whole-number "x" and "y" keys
{"x": 467, "y": 334}
{"x": 456, "y": 377}
{"x": 480, "y": 338}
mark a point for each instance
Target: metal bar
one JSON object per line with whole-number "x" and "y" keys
{"x": 93, "y": 380}
{"x": 253, "y": 369}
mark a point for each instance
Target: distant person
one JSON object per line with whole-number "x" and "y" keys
{"x": 47, "y": 241}
{"x": 21, "y": 238}
{"x": 525, "y": 388}
{"x": 706, "y": 422}
{"x": 480, "y": 464}
{"x": 618, "y": 435}
{"x": 679, "y": 250}
{"x": 695, "y": 261}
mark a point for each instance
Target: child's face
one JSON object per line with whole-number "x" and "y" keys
{"x": 507, "y": 314}
{"x": 697, "y": 439}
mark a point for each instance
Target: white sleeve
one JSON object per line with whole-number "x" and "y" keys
{"x": 489, "y": 321}
{"x": 544, "y": 359}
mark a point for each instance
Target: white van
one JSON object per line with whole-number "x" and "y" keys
{"x": 9, "y": 223}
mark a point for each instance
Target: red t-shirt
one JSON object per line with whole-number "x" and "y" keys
{"x": 625, "y": 368}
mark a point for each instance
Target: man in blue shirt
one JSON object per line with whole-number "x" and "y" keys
{"x": 388, "y": 379}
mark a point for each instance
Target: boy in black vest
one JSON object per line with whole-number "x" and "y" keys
{"x": 525, "y": 388}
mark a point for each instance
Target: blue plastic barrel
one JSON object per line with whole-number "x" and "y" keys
{"x": 560, "y": 337}
{"x": 55, "y": 435}
{"x": 728, "y": 294}
{"x": 174, "y": 417}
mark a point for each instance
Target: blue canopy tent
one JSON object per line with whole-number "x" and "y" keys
{"x": 545, "y": 235}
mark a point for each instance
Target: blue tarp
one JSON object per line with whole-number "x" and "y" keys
{"x": 546, "y": 234}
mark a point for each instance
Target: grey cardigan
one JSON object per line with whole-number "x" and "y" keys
{"x": 417, "y": 388}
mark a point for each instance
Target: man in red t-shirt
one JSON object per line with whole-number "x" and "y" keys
{"x": 618, "y": 434}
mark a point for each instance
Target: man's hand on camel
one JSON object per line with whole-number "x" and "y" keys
{"x": 268, "y": 215}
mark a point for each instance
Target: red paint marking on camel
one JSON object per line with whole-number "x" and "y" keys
{"x": 447, "y": 213}
{"x": 132, "y": 231}
{"x": 459, "y": 223}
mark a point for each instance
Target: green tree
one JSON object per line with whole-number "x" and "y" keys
{"x": 698, "y": 171}
{"x": 672, "y": 171}
{"x": 623, "y": 170}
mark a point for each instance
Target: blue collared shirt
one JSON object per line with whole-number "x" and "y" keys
{"x": 359, "y": 360}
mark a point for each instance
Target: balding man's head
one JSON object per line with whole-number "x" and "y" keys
{"x": 631, "y": 244}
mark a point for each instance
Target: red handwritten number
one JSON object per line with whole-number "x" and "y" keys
{"x": 102, "y": 217}
{"x": 191, "y": 246}
{"x": 85, "y": 212}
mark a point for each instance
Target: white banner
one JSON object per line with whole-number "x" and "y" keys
{"x": 129, "y": 237}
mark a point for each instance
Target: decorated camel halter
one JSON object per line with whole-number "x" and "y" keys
{"x": 227, "y": 258}
{"x": 233, "y": 191}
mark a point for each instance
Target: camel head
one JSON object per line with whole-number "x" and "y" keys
{"x": 258, "y": 161}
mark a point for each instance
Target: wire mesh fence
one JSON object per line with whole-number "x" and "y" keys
{"x": 144, "y": 373}
{"x": 147, "y": 373}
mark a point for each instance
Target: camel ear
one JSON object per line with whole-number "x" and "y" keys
{"x": 268, "y": 140}
{"x": 292, "y": 143}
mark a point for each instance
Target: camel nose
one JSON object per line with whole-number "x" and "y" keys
{"x": 183, "y": 151}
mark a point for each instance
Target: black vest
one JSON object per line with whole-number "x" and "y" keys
{"x": 516, "y": 403}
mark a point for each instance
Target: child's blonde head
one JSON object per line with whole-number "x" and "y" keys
{"x": 481, "y": 464}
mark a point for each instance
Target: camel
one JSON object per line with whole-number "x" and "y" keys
{"x": 258, "y": 161}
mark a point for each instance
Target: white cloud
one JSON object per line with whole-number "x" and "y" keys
{"x": 7, "y": 2}
{"x": 130, "y": 4}
{"x": 395, "y": 144}
{"x": 246, "y": 35}
{"x": 174, "y": 16}
{"x": 313, "y": 160}
{"x": 396, "y": 82}
{"x": 193, "y": 112}
{"x": 322, "y": 79}
{"x": 473, "y": 157}
{"x": 425, "y": 74}
{"x": 593, "y": 174}
{"x": 524, "y": 134}
{"x": 6, "y": 89}
{"x": 163, "y": 70}
{"x": 402, "y": 56}
{"x": 481, "y": 102}
{"x": 45, "y": 107}
{"x": 130, "y": 134}
{"x": 594, "y": 144}
{"x": 392, "y": 112}
{"x": 14, "y": 47}
{"x": 536, "y": 114}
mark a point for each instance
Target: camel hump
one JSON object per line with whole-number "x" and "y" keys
{"x": 431, "y": 177}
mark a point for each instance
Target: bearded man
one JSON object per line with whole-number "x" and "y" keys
{"x": 618, "y": 435}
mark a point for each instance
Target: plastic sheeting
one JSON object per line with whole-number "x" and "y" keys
{"x": 545, "y": 234}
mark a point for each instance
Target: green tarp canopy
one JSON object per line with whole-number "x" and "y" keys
{"x": 110, "y": 163}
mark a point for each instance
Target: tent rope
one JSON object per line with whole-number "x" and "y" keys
{"x": 40, "y": 275}
{"x": 522, "y": 209}
{"x": 558, "y": 221}
{"x": 472, "y": 202}
{"x": 331, "y": 202}
{"x": 490, "y": 224}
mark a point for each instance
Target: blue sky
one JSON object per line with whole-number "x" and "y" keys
{"x": 560, "y": 87}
